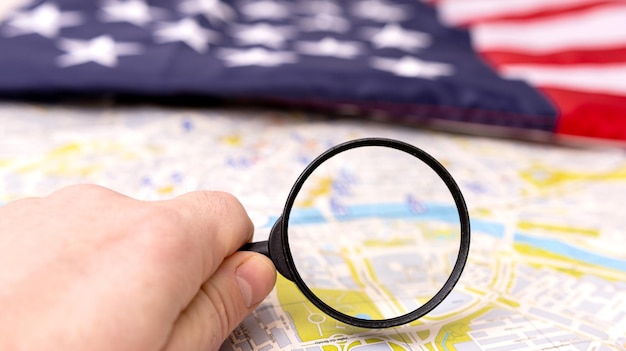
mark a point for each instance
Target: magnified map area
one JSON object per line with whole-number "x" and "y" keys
{"x": 377, "y": 243}
{"x": 375, "y": 268}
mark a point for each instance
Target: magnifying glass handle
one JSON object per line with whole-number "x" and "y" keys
{"x": 261, "y": 247}
{"x": 274, "y": 248}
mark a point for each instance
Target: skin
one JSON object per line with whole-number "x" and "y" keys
{"x": 89, "y": 268}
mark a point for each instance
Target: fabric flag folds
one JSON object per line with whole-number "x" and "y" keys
{"x": 557, "y": 67}
{"x": 572, "y": 51}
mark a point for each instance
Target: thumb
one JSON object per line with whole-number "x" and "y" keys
{"x": 238, "y": 286}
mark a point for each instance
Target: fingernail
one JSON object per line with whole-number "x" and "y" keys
{"x": 256, "y": 278}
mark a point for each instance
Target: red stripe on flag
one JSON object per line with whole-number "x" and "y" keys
{"x": 589, "y": 115}
{"x": 573, "y": 56}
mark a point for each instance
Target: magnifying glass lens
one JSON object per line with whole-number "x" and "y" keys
{"x": 374, "y": 232}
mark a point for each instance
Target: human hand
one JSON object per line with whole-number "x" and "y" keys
{"x": 89, "y": 268}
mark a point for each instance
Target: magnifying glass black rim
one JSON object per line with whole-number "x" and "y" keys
{"x": 464, "y": 223}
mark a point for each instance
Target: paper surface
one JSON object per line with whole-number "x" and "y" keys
{"x": 547, "y": 266}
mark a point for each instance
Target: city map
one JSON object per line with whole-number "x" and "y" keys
{"x": 547, "y": 264}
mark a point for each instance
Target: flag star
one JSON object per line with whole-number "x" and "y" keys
{"x": 102, "y": 50}
{"x": 325, "y": 22}
{"x": 188, "y": 31}
{"x": 256, "y": 57}
{"x": 380, "y": 11}
{"x": 394, "y": 36}
{"x": 45, "y": 20}
{"x": 412, "y": 67}
{"x": 263, "y": 34}
{"x": 265, "y": 9}
{"x": 136, "y": 12}
{"x": 330, "y": 47}
{"x": 213, "y": 10}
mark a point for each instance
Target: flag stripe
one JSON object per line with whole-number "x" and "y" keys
{"x": 469, "y": 12}
{"x": 591, "y": 115}
{"x": 603, "y": 26}
{"x": 565, "y": 57}
{"x": 585, "y": 78}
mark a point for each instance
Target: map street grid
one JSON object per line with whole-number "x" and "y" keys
{"x": 547, "y": 265}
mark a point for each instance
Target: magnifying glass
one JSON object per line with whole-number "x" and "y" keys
{"x": 375, "y": 233}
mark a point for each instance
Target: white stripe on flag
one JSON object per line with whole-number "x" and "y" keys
{"x": 607, "y": 79}
{"x": 456, "y": 12}
{"x": 595, "y": 28}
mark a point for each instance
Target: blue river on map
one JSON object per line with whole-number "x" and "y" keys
{"x": 447, "y": 213}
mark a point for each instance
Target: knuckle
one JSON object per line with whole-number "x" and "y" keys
{"x": 227, "y": 209}
{"x": 222, "y": 203}
{"x": 229, "y": 205}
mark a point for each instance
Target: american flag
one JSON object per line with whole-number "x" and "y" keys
{"x": 556, "y": 66}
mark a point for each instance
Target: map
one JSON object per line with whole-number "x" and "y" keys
{"x": 547, "y": 264}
